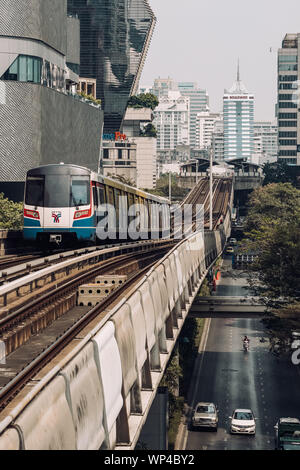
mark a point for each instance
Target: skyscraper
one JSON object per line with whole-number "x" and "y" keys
{"x": 114, "y": 40}
{"x": 199, "y": 102}
{"x": 288, "y": 100}
{"x": 171, "y": 119}
{"x": 238, "y": 107}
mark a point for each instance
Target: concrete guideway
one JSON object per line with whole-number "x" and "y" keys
{"x": 137, "y": 336}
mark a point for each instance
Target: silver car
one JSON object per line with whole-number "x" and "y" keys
{"x": 205, "y": 415}
{"x": 242, "y": 422}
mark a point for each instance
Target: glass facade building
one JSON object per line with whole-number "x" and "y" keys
{"x": 288, "y": 100}
{"x": 114, "y": 39}
{"x": 199, "y": 102}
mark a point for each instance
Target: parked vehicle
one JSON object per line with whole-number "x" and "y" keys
{"x": 229, "y": 250}
{"x": 242, "y": 422}
{"x": 205, "y": 415}
{"x": 287, "y": 434}
{"x": 233, "y": 241}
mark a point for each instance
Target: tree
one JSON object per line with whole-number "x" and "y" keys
{"x": 162, "y": 187}
{"x": 122, "y": 179}
{"x": 273, "y": 234}
{"x": 149, "y": 131}
{"x": 143, "y": 100}
{"x": 279, "y": 172}
{"x": 11, "y": 214}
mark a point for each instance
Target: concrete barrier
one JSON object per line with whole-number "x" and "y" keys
{"x": 47, "y": 423}
{"x": 86, "y": 399}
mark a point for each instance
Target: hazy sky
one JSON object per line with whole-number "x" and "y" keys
{"x": 201, "y": 40}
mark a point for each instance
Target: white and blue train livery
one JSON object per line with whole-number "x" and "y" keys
{"x": 61, "y": 201}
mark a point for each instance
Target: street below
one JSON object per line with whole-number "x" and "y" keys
{"x": 232, "y": 378}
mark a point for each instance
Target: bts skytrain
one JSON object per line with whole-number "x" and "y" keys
{"x": 62, "y": 202}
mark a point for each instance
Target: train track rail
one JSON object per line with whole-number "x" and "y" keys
{"x": 9, "y": 391}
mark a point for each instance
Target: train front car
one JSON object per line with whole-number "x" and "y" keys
{"x": 58, "y": 205}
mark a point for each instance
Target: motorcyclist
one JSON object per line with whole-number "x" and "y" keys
{"x": 246, "y": 341}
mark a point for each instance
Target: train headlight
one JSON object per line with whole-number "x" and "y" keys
{"x": 31, "y": 214}
{"x": 80, "y": 214}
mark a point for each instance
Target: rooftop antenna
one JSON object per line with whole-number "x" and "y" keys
{"x": 238, "y": 71}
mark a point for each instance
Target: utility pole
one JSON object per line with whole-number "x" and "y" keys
{"x": 211, "y": 192}
{"x": 170, "y": 188}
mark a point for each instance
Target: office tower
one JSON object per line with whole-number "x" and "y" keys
{"x": 217, "y": 141}
{"x": 171, "y": 119}
{"x": 265, "y": 142}
{"x": 199, "y": 102}
{"x": 238, "y": 107}
{"x": 114, "y": 40}
{"x": 289, "y": 100}
{"x": 205, "y": 123}
{"x": 162, "y": 86}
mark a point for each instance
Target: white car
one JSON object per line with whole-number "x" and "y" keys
{"x": 242, "y": 422}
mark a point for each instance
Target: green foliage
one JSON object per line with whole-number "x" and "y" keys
{"x": 122, "y": 179}
{"x": 279, "y": 172}
{"x": 172, "y": 374}
{"x": 11, "y": 214}
{"x": 143, "y": 100}
{"x": 162, "y": 188}
{"x": 273, "y": 233}
{"x": 90, "y": 98}
{"x": 149, "y": 131}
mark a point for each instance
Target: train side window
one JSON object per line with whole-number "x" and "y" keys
{"x": 101, "y": 195}
{"x": 95, "y": 196}
{"x": 110, "y": 195}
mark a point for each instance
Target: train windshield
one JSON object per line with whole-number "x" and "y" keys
{"x": 80, "y": 191}
{"x": 35, "y": 191}
{"x": 57, "y": 191}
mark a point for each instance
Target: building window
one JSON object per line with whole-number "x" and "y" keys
{"x": 105, "y": 153}
{"x": 35, "y": 70}
{"x": 288, "y": 153}
{"x": 292, "y": 161}
{"x": 288, "y": 134}
{"x": 119, "y": 154}
{"x": 287, "y": 115}
{"x": 288, "y": 78}
{"x": 287, "y": 124}
{"x": 287, "y": 104}
{"x": 287, "y": 67}
{"x": 288, "y": 142}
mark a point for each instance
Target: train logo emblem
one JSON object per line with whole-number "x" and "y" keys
{"x": 56, "y": 216}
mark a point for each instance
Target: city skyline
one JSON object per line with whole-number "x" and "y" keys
{"x": 204, "y": 39}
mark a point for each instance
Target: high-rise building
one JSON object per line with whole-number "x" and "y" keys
{"x": 114, "y": 40}
{"x": 217, "y": 141}
{"x": 265, "y": 142}
{"x": 238, "y": 108}
{"x": 171, "y": 119}
{"x": 288, "y": 100}
{"x": 205, "y": 123}
{"x": 199, "y": 102}
{"x": 162, "y": 86}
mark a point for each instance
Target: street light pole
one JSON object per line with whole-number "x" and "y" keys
{"x": 170, "y": 188}
{"x": 210, "y": 193}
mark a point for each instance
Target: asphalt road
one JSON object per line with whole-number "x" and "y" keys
{"x": 234, "y": 379}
